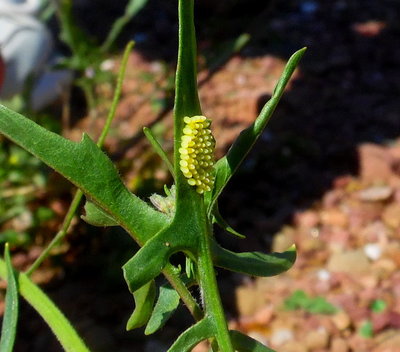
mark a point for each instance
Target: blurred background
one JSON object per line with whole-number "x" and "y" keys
{"x": 325, "y": 174}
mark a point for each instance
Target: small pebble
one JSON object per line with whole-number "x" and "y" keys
{"x": 339, "y": 345}
{"x": 352, "y": 262}
{"x": 317, "y": 339}
{"x": 323, "y": 275}
{"x": 375, "y": 194}
{"x": 373, "y": 251}
{"x": 280, "y": 336}
{"x": 341, "y": 320}
{"x": 292, "y": 346}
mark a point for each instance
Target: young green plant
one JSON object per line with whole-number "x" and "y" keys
{"x": 181, "y": 222}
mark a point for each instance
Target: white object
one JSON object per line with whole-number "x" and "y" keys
{"x": 280, "y": 336}
{"x": 26, "y": 47}
{"x": 373, "y": 251}
{"x": 323, "y": 275}
{"x": 25, "y": 7}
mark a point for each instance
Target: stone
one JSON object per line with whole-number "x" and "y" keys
{"x": 333, "y": 217}
{"x": 339, "y": 345}
{"x": 323, "y": 275}
{"x": 392, "y": 252}
{"x": 363, "y": 213}
{"x": 368, "y": 281}
{"x": 375, "y": 231}
{"x": 370, "y": 28}
{"x": 264, "y": 315}
{"x": 375, "y": 193}
{"x": 373, "y": 251}
{"x": 203, "y": 346}
{"x": 22, "y": 222}
{"x": 292, "y": 346}
{"x": 374, "y": 163}
{"x": 383, "y": 267}
{"x": 389, "y": 342}
{"x": 391, "y": 215}
{"x": 307, "y": 219}
{"x": 342, "y": 182}
{"x": 332, "y": 198}
{"x": 248, "y": 300}
{"x": 337, "y": 238}
{"x": 341, "y": 320}
{"x": 380, "y": 321}
{"x": 282, "y": 241}
{"x": 352, "y": 262}
{"x": 317, "y": 339}
{"x": 281, "y": 335}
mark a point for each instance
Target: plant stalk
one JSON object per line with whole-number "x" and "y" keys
{"x": 184, "y": 293}
{"x": 60, "y": 234}
{"x": 210, "y": 293}
{"x": 59, "y": 324}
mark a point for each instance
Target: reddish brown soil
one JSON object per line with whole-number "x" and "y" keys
{"x": 324, "y": 175}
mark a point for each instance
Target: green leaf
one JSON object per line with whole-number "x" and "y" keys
{"x": 151, "y": 259}
{"x": 228, "y": 165}
{"x": 192, "y": 336}
{"x": 378, "y": 306}
{"x": 254, "y": 263}
{"x": 223, "y": 224}
{"x": 85, "y": 165}
{"x": 314, "y": 305}
{"x": 15, "y": 238}
{"x": 147, "y": 263}
{"x": 10, "y": 319}
{"x": 144, "y": 302}
{"x": 58, "y": 323}
{"x": 167, "y": 303}
{"x": 96, "y": 216}
{"x": 366, "y": 329}
{"x": 186, "y": 104}
{"x": 244, "y": 343}
{"x": 297, "y": 300}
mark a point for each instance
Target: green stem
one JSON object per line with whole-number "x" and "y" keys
{"x": 60, "y": 234}
{"x": 117, "y": 93}
{"x": 169, "y": 272}
{"x": 78, "y": 195}
{"x": 184, "y": 293}
{"x": 59, "y": 324}
{"x": 159, "y": 150}
{"x": 210, "y": 292}
{"x": 91, "y": 100}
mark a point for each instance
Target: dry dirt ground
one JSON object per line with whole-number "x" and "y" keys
{"x": 325, "y": 175}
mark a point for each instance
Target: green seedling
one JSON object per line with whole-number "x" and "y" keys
{"x": 378, "y": 306}
{"x": 181, "y": 221}
{"x": 366, "y": 329}
{"x": 314, "y": 305}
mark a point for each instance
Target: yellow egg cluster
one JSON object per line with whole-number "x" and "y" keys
{"x": 197, "y": 153}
